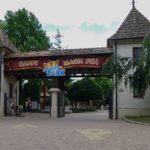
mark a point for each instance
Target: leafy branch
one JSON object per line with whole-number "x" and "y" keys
{"x": 117, "y": 65}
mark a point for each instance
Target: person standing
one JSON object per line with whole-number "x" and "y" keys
{"x": 13, "y": 108}
{"x": 28, "y": 107}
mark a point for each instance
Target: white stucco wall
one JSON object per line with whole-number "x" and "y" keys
{"x": 127, "y": 104}
{"x": 125, "y": 50}
{"x": 5, "y": 81}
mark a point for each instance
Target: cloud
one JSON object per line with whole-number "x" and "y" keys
{"x": 53, "y": 27}
{"x": 92, "y": 27}
{"x": 97, "y": 28}
{"x": 85, "y": 35}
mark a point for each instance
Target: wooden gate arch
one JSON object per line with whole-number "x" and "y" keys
{"x": 58, "y": 65}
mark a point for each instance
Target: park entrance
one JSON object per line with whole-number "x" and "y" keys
{"x": 57, "y": 65}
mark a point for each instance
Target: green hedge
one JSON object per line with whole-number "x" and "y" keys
{"x": 79, "y": 110}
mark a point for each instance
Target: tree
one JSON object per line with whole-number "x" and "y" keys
{"x": 140, "y": 69}
{"x": 67, "y": 85}
{"x": 117, "y": 65}
{"x": 32, "y": 90}
{"x": 105, "y": 85}
{"x": 140, "y": 80}
{"x": 25, "y": 31}
{"x": 74, "y": 93}
{"x": 58, "y": 40}
{"x": 83, "y": 91}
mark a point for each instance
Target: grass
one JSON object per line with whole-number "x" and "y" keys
{"x": 142, "y": 119}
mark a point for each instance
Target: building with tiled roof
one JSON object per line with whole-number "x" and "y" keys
{"x": 127, "y": 42}
{"x": 135, "y": 25}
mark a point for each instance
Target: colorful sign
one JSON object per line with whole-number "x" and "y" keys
{"x": 15, "y": 65}
{"x": 40, "y": 64}
{"x": 90, "y": 62}
{"x": 54, "y": 71}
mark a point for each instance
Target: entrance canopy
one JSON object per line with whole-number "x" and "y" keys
{"x": 75, "y": 62}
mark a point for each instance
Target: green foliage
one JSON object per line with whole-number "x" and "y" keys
{"x": 105, "y": 85}
{"x": 74, "y": 92}
{"x": 46, "y": 82}
{"x": 117, "y": 65}
{"x": 81, "y": 110}
{"x": 140, "y": 79}
{"x": 84, "y": 90}
{"x": 67, "y": 84}
{"x": 29, "y": 89}
{"x": 34, "y": 87}
{"x": 25, "y": 31}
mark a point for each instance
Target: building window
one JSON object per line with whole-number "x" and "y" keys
{"x": 136, "y": 53}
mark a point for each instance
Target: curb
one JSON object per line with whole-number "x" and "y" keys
{"x": 139, "y": 123}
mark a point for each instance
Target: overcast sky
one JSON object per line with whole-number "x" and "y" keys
{"x": 83, "y": 23}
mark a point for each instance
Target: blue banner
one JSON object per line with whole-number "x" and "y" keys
{"x": 54, "y": 71}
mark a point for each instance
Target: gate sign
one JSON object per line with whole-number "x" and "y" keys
{"x": 44, "y": 64}
{"x": 54, "y": 71}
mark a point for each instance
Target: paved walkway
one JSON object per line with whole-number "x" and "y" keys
{"x": 86, "y": 131}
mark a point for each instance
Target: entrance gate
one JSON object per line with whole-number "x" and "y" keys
{"x": 57, "y": 65}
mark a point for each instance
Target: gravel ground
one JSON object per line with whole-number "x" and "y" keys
{"x": 82, "y": 131}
